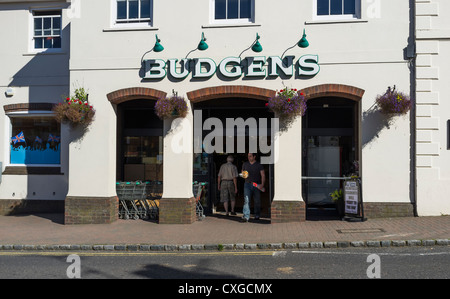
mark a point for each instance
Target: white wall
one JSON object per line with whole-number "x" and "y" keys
{"x": 432, "y": 74}
{"x": 367, "y": 54}
{"x": 35, "y": 78}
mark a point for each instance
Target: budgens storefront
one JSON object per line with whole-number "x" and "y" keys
{"x": 225, "y": 86}
{"x": 304, "y": 158}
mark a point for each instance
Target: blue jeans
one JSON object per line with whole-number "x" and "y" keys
{"x": 249, "y": 192}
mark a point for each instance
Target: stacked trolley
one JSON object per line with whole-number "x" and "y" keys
{"x": 137, "y": 200}
{"x": 140, "y": 200}
{"x": 198, "y": 190}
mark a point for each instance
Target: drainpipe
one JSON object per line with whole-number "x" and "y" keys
{"x": 411, "y": 55}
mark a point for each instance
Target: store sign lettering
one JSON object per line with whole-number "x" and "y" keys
{"x": 232, "y": 67}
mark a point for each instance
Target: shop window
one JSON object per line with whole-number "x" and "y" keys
{"x": 143, "y": 158}
{"x": 35, "y": 140}
{"x": 133, "y": 11}
{"x": 233, "y": 11}
{"x": 47, "y": 30}
{"x": 337, "y": 9}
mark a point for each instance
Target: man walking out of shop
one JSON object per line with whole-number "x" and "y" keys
{"x": 227, "y": 184}
{"x": 254, "y": 184}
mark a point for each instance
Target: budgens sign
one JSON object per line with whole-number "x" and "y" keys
{"x": 232, "y": 67}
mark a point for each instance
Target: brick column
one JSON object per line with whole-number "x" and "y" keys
{"x": 90, "y": 210}
{"x": 288, "y": 204}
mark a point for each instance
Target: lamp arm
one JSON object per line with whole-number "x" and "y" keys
{"x": 288, "y": 50}
{"x": 190, "y": 52}
{"x": 247, "y": 48}
{"x": 142, "y": 59}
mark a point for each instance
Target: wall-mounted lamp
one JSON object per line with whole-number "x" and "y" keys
{"x": 202, "y": 45}
{"x": 302, "y": 43}
{"x": 255, "y": 46}
{"x": 156, "y": 48}
{"x": 9, "y": 92}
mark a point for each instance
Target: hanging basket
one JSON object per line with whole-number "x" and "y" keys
{"x": 75, "y": 110}
{"x": 393, "y": 102}
{"x": 171, "y": 107}
{"x": 288, "y": 103}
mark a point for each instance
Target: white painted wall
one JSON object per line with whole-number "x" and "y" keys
{"x": 367, "y": 54}
{"x": 432, "y": 76}
{"x": 35, "y": 78}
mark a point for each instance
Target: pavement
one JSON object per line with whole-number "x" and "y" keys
{"x": 218, "y": 232}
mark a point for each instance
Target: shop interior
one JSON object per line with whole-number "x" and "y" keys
{"x": 329, "y": 151}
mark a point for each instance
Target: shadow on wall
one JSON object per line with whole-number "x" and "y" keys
{"x": 373, "y": 122}
{"x": 46, "y": 70}
{"x": 46, "y": 76}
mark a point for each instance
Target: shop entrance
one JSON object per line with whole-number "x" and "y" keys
{"x": 330, "y": 151}
{"x": 207, "y": 165}
{"x": 139, "y": 142}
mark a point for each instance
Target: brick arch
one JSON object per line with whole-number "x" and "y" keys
{"x": 24, "y": 107}
{"x": 128, "y": 94}
{"x": 333, "y": 90}
{"x": 240, "y": 91}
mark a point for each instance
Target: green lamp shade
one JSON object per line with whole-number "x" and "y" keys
{"x": 202, "y": 45}
{"x": 158, "y": 47}
{"x": 303, "y": 43}
{"x": 257, "y": 47}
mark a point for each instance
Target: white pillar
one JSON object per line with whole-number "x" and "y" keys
{"x": 287, "y": 204}
{"x": 178, "y": 204}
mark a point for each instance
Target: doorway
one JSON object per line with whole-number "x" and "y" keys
{"x": 207, "y": 165}
{"x": 139, "y": 142}
{"x": 330, "y": 151}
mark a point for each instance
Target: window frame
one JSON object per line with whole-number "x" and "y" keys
{"x": 32, "y": 47}
{"x": 130, "y": 23}
{"x": 215, "y": 21}
{"x": 356, "y": 16}
{"x": 27, "y": 114}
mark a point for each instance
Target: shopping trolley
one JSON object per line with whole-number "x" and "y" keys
{"x": 198, "y": 189}
{"x": 153, "y": 192}
{"x": 131, "y": 200}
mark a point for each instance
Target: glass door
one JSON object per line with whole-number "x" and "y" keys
{"x": 329, "y": 148}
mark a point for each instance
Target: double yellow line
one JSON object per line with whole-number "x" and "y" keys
{"x": 140, "y": 253}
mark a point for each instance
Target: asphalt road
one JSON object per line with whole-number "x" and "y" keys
{"x": 352, "y": 263}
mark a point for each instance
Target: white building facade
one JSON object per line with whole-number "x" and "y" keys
{"x": 357, "y": 50}
{"x": 432, "y": 116}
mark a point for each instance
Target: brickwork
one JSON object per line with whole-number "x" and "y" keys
{"x": 388, "y": 209}
{"x": 288, "y": 211}
{"x": 128, "y": 94}
{"x": 333, "y": 90}
{"x": 228, "y": 91}
{"x": 21, "y": 206}
{"x": 177, "y": 211}
{"x": 28, "y": 107}
{"x": 91, "y": 210}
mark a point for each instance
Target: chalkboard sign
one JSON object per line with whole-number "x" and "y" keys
{"x": 353, "y": 205}
{"x": 351, "y": 197}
